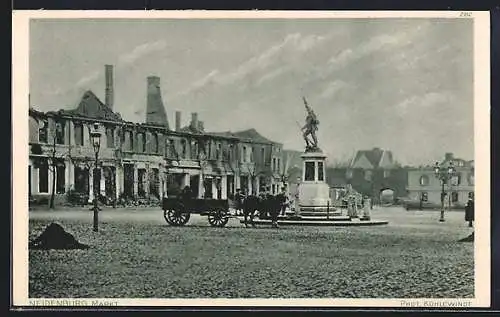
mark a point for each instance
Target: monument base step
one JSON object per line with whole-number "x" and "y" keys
{"x": 315, "y": 218}
{"x": 317, "y": 213}
{"x": 315, "y": 209}
{"x": 324, "y": 223}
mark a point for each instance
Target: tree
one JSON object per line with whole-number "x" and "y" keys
{"x": 284, "y": 174}
{"x": 55, "y": 160}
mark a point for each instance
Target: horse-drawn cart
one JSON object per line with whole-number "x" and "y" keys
{"x": 177, "y": 211}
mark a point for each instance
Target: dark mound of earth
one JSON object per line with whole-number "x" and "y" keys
{"x": 55, "y": 237}
{"x": 470, "y": 238}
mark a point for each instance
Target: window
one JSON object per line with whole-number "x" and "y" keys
{"x": 43, "y": 177}
{"x": 348, "y": 174}
{"x": 141, "y": 182}
{"x": 218, "y": 154}
{"x": 154, "y": 143}
{"x": 321, "y": 176}
{"x": 61, "y": 178}
{"x": 170, "y": 149}
{"x": 471, "y": 179}
{"x": 194, "y": 149}
{"x": 424, "y": 180}
{"x": 131, "y": 140}
{"x": 274, "y": 164}
{"x": 141, "y": 142}
{"x": 263, "y": 154}
{"x": 309, "y": 172}
{"x": 42, "y": 131}
{"x": 78, "y": 133}
{"x": 82, "y": 180}
{"x": 110, "y": 137}
{"x": 368, "y": 176}
{"x": 154, "y": 183}
{"x": 230, "y": 153}
{"x": 167, "y": 148}
{"x": 387, "y": 173}
{"x": 183, "y": 148}
{"x": 278, "y": 164}
{"x": 470, "y": 195}
{"x": 244, "y": 154}
{"x": 454, "y": 197}
{"x": 59, "y": 133}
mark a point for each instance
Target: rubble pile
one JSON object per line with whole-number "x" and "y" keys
{"x": 470, "y": 238}
{"x": 55, "y": 237}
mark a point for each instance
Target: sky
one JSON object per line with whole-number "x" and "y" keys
{"x": 404, "y": 85}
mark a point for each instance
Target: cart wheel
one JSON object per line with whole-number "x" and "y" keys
{"x": 176, "y": 217}
{"x": 218, "y": 218}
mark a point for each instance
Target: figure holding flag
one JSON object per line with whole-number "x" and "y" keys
{"x": 310, "y": 128}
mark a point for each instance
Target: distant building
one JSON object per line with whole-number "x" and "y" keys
{"x": 261, "y": 161}
{"x": 370, "y": 172}
{"x": 424, "y": 185}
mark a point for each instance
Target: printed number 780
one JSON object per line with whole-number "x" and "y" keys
{"x": 465, "y": 14}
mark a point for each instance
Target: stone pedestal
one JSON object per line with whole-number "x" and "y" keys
{"x": 314, "y": 192}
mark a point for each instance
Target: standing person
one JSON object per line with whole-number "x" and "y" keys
{"x": 367, "y": 203}
{"x": 296, "y": 202}
{"x": 273, "y": 206}
{"x": 353, "y": 206}
{"x": 469, "y": 211}
{"x": 350, "y": 206}
{"x": 238, "y": 202}
{"x": 262, "y": 203}
{"x": 282, "y": 198}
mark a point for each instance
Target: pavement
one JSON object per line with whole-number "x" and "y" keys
{"x": 395, "y": 216}
{"x": 137, "y": 254}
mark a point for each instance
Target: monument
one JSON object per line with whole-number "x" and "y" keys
{"x": 314, "y": 192}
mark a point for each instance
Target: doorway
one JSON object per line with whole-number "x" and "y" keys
{"x": 194, "y": 184}
{"x": 207, "y": 185}
{"x": 386, "y": 196}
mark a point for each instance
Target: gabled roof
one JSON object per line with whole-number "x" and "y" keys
{"x": 386, "y": 160}
{"x": 250, "y": 134}
{"x": 362, "y": 161}
{"x": 253, "y": 135}
{"x": 373, "y": 158}
{"x": 91, "y": 107}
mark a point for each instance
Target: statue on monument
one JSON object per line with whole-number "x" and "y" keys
{"x": 310, "y": 128}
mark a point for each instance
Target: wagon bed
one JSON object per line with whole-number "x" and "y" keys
{"x": 177, "y": 211}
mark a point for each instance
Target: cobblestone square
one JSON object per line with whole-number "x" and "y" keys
{"x": 137, "y": 255}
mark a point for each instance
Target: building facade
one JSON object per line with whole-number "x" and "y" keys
{"x": 423, "y": 185}
{"x": 143, "y": 160}
{"x": 371, "y": 173}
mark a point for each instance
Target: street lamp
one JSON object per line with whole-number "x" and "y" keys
{"x": 95, "y": 135}
{"x": 444, "y": 174}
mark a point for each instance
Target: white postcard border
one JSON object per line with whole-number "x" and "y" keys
{"x": 20, "y": 91}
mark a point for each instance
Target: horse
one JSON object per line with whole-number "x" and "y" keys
{"x": 268, "y": 205}
{"x": 250, "y": 205}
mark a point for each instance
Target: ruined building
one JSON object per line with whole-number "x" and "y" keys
{"x": 143, "y": 160}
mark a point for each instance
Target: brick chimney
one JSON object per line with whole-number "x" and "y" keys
{"x": 155, "y": 110}
{"x": 194, "y": 120}
{"x": 448, "y": 156}
{"x": 109, "y": 91}
{"x": 201, "y": 126}
{"x": 177, "y": 121}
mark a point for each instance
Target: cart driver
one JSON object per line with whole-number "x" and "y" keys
{"x": 186, "y": 193}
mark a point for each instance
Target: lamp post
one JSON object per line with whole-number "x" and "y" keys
{"x": 95, "y": 136}
{"x": 444, "y": 174}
